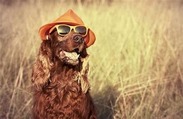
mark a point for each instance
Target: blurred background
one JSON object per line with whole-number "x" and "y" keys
{"x": 136, "y": 66}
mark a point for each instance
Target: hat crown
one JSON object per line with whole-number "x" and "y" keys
{"x": 70, "y": 18}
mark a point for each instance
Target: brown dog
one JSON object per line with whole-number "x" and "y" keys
{"x": 61, "y": 88}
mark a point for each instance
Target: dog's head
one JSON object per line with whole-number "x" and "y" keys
{"x": 70, "y": 48}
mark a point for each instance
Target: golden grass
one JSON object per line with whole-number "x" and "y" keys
{"x": 135, "y": 65}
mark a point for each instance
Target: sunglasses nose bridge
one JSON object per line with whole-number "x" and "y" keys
{"x": 72, "y": 29}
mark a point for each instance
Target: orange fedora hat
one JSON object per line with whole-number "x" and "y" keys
{"x": 69, "y": 18}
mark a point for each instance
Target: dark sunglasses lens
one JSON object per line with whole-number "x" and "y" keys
{"x": 63, "y": 30}
{"x": 81, "y": 30}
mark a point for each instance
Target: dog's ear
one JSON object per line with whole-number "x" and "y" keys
{"x": 84, "y": 74}
{"x": 84, "y": 71}
{"x": 42, "y": 66}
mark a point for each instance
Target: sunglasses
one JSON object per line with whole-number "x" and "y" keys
{"x": 63, "y": 29}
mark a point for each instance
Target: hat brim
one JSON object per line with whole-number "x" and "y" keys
{"x": 44, "y": 31}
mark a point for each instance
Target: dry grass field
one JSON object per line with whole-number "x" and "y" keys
{"x": 136, "y": 63}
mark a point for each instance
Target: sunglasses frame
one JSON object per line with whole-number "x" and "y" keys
{"x": 56, "y": 27}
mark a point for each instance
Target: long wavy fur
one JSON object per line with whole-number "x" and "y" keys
{"x": 60, "y": 91}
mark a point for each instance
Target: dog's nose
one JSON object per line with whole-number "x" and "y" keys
{"x": 78, "y": 39}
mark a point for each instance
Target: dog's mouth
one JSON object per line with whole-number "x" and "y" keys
{"x": 69, "y": 57}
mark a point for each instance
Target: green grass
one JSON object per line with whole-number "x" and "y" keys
{"x": 136, "y": 63}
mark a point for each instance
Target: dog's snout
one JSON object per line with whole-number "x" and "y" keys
{"x": 78, "y": 39}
